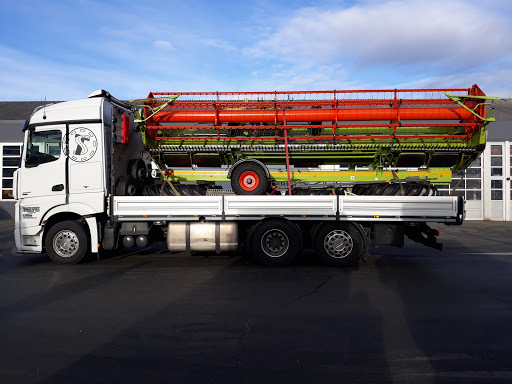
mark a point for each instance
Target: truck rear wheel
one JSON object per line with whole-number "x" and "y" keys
{"x": 339, "y": 244}
{"x": 66, "y": 242}
{"x": 275, "y": 242}
{"x": 249, "y": 178}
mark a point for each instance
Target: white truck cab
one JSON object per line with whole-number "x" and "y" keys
{"x": 65, "y": 174}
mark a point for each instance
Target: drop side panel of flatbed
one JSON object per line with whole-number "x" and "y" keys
{"x": 441, "y": 209}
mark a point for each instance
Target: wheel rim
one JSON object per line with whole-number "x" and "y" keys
{"x": 65, "y": 243}
{"x": 275, "y": 243}
{"x": 249, "y": 180}
{"x": 338, "y": 244}
{"x": 131, "y": 190}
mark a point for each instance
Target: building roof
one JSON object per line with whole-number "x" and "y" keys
{"x": 19, "y": 110}
{"x": 501, "y": 129}
{"x": 502, "y": 109}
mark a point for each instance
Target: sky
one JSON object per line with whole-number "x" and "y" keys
{"x": 64, "y": 50}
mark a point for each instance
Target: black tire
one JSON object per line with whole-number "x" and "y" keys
{"x": 137, "y": 169}
{"x": 392, "y": 190}
{"x": 306, "y": 191}
{"x": 369, "y": 189}
{"x": 358, "y": 188}
{"x": 67, "y": 242}
{"x": 126, "y": 186}
{"x": 153, "y": 190}
{"x": 196, "y": 191}
{"x": 183, "y": 190}
{"x": 379, "y": 189}
{"x": 413, "y": 190}
{"x": 275, "y": 242}
{"x": 249, "y": 178}
{"x": 339, "y": 244}
{"x": 140, "y": 187}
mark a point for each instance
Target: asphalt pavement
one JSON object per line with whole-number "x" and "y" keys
{"x": 409, "y": 315}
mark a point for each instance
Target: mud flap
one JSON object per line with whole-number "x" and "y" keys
{"x": 423, "y": 234}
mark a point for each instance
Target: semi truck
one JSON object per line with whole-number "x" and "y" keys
{"x": 84, "y": 184}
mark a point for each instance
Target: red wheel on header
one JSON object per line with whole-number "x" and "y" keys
{"x": 249, "y": 178}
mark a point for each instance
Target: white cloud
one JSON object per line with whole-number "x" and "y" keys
{"x": 164, "y": 45}
{"x": 28, "y": 77}
{"x": 290, "y": 78}
{"x": 397, "y": 32}
{"x": 391, "y": 43}
{"x": 494, "y": 83}
{"x": 221, "y": 44}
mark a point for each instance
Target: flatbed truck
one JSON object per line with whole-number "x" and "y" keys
{"x": 81, "y": 186}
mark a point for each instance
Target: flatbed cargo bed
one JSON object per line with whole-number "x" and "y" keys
{"x": 439, "y": 209}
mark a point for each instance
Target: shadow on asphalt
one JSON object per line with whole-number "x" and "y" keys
{"x": 243, "y": 323}
{"x": 195, "y": 319}
{"x": 455, "y": 307}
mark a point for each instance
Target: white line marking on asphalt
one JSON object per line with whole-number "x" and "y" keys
{"x": 488, "y": 253}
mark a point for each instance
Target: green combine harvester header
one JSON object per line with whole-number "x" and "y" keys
{"x": 315, "y": 136}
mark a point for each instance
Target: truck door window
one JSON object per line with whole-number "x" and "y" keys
{"x": 43, "y": 147}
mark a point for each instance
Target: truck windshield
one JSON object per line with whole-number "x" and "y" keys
{"x": 43, "y": 147}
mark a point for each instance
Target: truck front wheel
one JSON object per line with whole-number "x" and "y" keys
{"x": 66, "y": 242}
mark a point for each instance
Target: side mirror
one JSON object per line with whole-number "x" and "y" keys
{"x": 15, "y": 184}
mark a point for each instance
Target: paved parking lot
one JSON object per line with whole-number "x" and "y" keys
{"x": 411, "y": 315}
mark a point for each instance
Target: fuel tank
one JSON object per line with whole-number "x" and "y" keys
{"x": 202, "y": 236}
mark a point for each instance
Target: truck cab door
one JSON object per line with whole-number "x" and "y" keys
{"x": 42, "y": 175}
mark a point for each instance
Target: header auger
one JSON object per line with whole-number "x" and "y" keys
{"x": 432, "y": 129}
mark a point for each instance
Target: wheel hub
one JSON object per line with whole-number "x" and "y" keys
{"x": 65, "y": 243}
{"x": 249, "y": 180}
{"x": 131, "y": 190}
{"x": 338, "y": 244}
{"x": 275, "y": 243}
